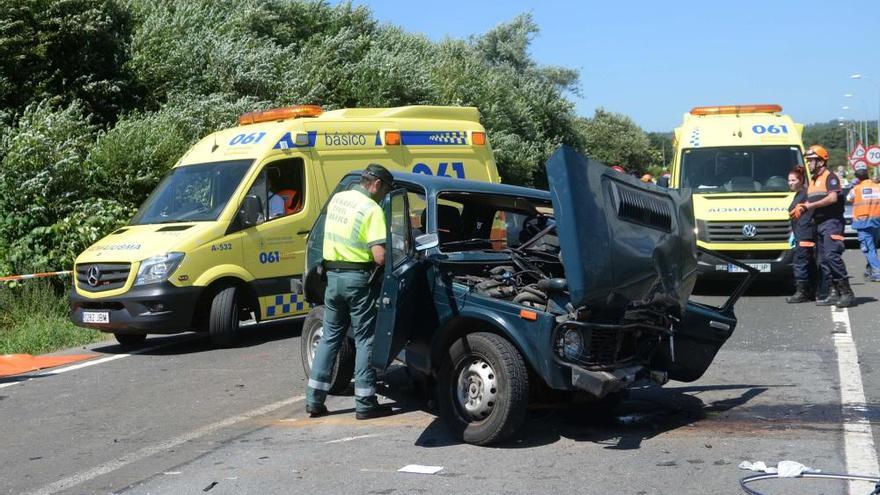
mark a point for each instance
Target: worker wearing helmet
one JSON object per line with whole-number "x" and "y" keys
{"x": 647, "y": 178}
{"x": 825, "y": 203}
{"x": 618, "y": 168}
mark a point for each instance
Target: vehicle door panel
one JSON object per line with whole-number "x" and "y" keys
{"x": 400, "y": 286}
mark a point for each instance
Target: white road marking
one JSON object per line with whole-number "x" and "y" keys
{"x": 91, "y": 362}
{"x": 348, "y": 439}
{"x": 858, "y": 439}
{"x": 151, "y": 450}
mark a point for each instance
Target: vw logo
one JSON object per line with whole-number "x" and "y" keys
{"x": 749, "y": 230}
{"x": 94, "y": 276}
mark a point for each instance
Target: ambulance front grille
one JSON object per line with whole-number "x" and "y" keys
{"x": 764, "y": 231}
{"x": 100, "y": 277}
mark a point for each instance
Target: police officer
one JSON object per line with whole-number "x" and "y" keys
{"x": 826, "y": 205}
{"x": 866, "y": 219}
{"x": 803, "y": 264}
{"x": 354, "y": 245}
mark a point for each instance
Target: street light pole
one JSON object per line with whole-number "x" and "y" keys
{"x": 876, "y": 85}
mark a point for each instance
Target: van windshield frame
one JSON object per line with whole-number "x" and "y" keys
{"x": 739, "y": 169}
{"x": 193, "y": 193}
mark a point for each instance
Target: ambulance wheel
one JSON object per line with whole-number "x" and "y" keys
{"x": 223, "y": 322}
{"x": 130, "y": 340}
{"x": 483, "y": 389}
{"x": 343, "y": 368}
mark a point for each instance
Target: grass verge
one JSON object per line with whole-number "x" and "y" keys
{"x": 33, "y": 320}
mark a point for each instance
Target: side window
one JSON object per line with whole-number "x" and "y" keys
{"x": 401, "y": 234}
{"x": 280, "y": 188}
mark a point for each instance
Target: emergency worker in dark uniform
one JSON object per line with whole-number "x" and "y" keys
{"x": 354, "y": 246}
{"x": 826, "y": 204}
{"x": 804, "y": 263}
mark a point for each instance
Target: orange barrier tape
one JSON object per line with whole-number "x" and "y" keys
{"x": 16, "y": 364}
{"x": 33, "y": 275}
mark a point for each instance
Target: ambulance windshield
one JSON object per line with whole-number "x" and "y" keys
{"x": 738, "y": 169}
{"x": 192, "y": 193}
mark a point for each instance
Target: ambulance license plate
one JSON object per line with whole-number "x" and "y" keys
{"x": 96, "y": 317}
{"x": 761, "y": 267}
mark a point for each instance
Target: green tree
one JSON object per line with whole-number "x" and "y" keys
{"x": 615, "y": 139}
{"x": 65, "y": 50}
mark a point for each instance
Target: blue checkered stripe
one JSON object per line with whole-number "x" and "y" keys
{"x": 286, "y": 304}
{"x": 428, "y": 138}
{"x": 695, "y": 137}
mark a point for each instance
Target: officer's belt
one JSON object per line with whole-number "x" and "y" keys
{"x": 348, "y": 265}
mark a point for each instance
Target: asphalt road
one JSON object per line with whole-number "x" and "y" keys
{"x": 187, "y": 418}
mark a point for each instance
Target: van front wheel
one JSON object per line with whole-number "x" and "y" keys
{"x": 223, "y": 322}
{"x": 483, "y": 389}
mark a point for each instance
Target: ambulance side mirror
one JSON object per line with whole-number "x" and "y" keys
{"x": 250, "y": 211}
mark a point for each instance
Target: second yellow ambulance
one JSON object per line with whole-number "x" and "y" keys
{"x": 736, "y": 160}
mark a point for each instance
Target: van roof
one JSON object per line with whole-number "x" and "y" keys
{"x": 743, "y": 129}
{"x": 343, "y": 129}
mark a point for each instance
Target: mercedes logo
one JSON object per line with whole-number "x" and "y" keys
{"x": 94, "y": 276}
{"x": 749, "y": 230}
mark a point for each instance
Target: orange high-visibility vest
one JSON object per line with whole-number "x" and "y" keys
{"x": 866, "y": 200}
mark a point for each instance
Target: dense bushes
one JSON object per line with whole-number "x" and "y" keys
{"x": 99, "y": 98}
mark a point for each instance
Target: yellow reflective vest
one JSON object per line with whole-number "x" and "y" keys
{"x": 354, "y": 223}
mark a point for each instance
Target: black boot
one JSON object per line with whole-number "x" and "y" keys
{"x": 830, "y": 299}
{"x": 801, "y": 292}
{"x": 847, "y": 298}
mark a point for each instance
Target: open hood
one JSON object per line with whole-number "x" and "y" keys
{"x": 622, "y": 241}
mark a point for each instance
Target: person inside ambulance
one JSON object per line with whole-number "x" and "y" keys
{"x": 282, "y": 200}
{"x": 826, "y": 205}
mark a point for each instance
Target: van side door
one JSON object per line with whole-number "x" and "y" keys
{"x": 274, "y": 248}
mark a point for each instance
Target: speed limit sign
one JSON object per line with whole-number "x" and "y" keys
{"x": 872, "y": 155}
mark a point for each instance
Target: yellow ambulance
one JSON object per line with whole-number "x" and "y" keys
{"x": 220, "y": 242}
{"x": 736, "y": 160}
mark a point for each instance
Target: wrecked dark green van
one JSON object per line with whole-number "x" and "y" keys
{"x": 492, "y": 292}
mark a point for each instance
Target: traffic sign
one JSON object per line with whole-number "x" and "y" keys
{"x": 872, "y": 155}
{"x": 858, "y": 152}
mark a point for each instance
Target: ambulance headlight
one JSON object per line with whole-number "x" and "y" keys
{"x": 158, "y": 268}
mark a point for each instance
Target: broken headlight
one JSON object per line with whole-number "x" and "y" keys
{"x": 571, "y": 345}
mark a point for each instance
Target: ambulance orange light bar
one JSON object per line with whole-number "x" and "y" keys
{"x": 736, "y": 109}
{"x": 280, "y": 114}
{"x": 392, "y": 138}
{"x": 478, "y": 138}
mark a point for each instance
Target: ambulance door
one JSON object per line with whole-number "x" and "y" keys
{"x": 274, "y": 248}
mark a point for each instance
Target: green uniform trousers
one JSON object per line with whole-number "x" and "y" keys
{"x": 349, "y": 299}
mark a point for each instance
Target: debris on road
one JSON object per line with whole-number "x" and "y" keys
{"x": 420, "y": 469}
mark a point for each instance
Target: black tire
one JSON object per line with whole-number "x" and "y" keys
{"x": 130, "y": 340}
{"x": 495, "y": 413}
{"x": 223, "y": 322}
{"x": 343, "y": 368}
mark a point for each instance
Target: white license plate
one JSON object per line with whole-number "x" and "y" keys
{"x": 96, "y": 317}
{"x": 761, "y": 267}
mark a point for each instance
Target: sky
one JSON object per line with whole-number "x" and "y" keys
{"x": 654, "y": 61}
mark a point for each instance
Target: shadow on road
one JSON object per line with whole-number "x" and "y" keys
{"x": 190, "y": 343}
{"x": 645, "y": 413}
{"x": 759, "y": 288}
